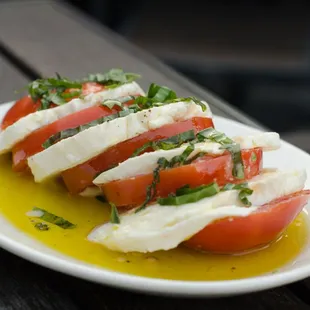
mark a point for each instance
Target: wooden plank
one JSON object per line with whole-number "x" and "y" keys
{"x": 25, "y": 286}
{"x": 102, "y": 297}
{"x": 85, "y": 46}
{"x": 10, "y": 80}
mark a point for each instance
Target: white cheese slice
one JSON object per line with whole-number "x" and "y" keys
{"x": 91, "y": 142}
{"x": 165, "y": 227}
{"x": 26, "y": 125}
{"x": 147, "y": 162}
{"x": 270, "y": 141}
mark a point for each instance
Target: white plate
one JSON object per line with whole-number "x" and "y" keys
{"x": 22, "y": 245}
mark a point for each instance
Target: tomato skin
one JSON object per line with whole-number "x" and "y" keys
{"x": 32, "y": 144}
{"x": 26, "y": 105}
{"x": 132, "y": 191}
{"x": 21, "y": 108}
{"x": 238, "y": 234}
{"x": 81, "y": 176}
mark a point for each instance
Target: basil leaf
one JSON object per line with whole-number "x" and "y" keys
{"x": 243, "y": 196}
{"x": 166, "y": 144}
{"x": 41, "y": 226}
{"x": 151, "y": 189}
{"x": 54, "y": 219}
{"x": 114, "y": 218}
{"x": 181, "y": 159}
{"x": 112, "y": 78}
{"x": 51, "y": 90}
{"x": 253, "y": 157}
{"x": 190, "y": 196}
{"x": 163, "y": 163}
{"x": 67, "y": 133}
{"x": 238, "y": 168}
{"x": 160, "y": 93}
{"x": 111, "y": 103}
{"x": 227, "y": 143}
{"x": 244, "y": 192}
{"x": 101, "y": 198}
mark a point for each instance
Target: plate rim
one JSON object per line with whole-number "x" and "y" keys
{"x": 154, "y": 286}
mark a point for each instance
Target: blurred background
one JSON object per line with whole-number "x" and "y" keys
{"x": 254, "y": 54}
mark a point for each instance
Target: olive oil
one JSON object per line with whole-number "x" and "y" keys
{"x": 19, "y": 194}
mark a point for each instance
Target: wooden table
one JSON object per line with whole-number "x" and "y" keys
{"x": 39, "y": 38}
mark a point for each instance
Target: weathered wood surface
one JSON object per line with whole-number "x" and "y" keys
{"x": 49, "y": 37}
{"x": 24, "y": 285}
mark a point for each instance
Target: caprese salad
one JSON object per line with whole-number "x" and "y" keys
{"x": 170, "y": 177}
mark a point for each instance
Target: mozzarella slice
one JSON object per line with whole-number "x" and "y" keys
{"x": 91, "y": 142}
{"x": 147, "y": 162}
{"x": 165, "y": 227}
{"x": 24, "y": 126}
{"x": 270, "y": 141}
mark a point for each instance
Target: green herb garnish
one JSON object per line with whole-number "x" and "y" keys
{"x": 67, "y": 133}
{"x": 244, "y": 192}
{"x": 166, "y": 144}
{"x": 54, "y": 219}
{"x": 114, "y": 218}
{"x": 157, "y": 96}
{"x": 163, "y": 163}
{"x": 187, "y": 195}
{"x": 41, "y": 226}
{"x": 228, "y": 144}
{"x": 253, "y": 157}
{"x": 112, "y": 78}
{"x": 51, "y": 90}
{"x": 101, "y": 199}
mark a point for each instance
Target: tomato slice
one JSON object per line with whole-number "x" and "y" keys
{"x": 238, "y": 234}
{"x": 81, "y": 176}
{"x": 132, "y": 191}
{"x": 32, "y": 144}
{"x": 26, "y": 105}
{"x": 21, "y": 108}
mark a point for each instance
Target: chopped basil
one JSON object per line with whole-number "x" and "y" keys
{"x": 167, "y": 144}
{"x": 253, "y": 157}
{"x": 112, "y": 78}
{"x": 179, "y": 160}
{"x": 244, "y": 192}
{"x": 160, "y": 93}
{"x": 193, "y": 158}
{"x": 157, "y": 96}
{"x": 101, "y": 199}
{"x": 41, "y": 226}
{"x": 163, "y": 163}
{"x": 51, "y": 90}
{"x": 228, "y": 144}
{"x": 151, "y": 189}
{"x": 67, "y": 133}
{"x": 114, "y": 218}
{"x": 187, "y": 195}
{"x": 52, "y": 218}
{"x": 111, "y": 103}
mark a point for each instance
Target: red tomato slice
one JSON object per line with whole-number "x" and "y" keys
{"x": 81, "y": 176}
{"x": 32, "y": 144}
{"x": 237, "y": 234}
{"x": 26, "y": 105}
{"x": 132, "y": 191}
{"x": 21, "y": 108}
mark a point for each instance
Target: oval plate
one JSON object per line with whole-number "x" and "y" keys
{"x": 22, "y": 245}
